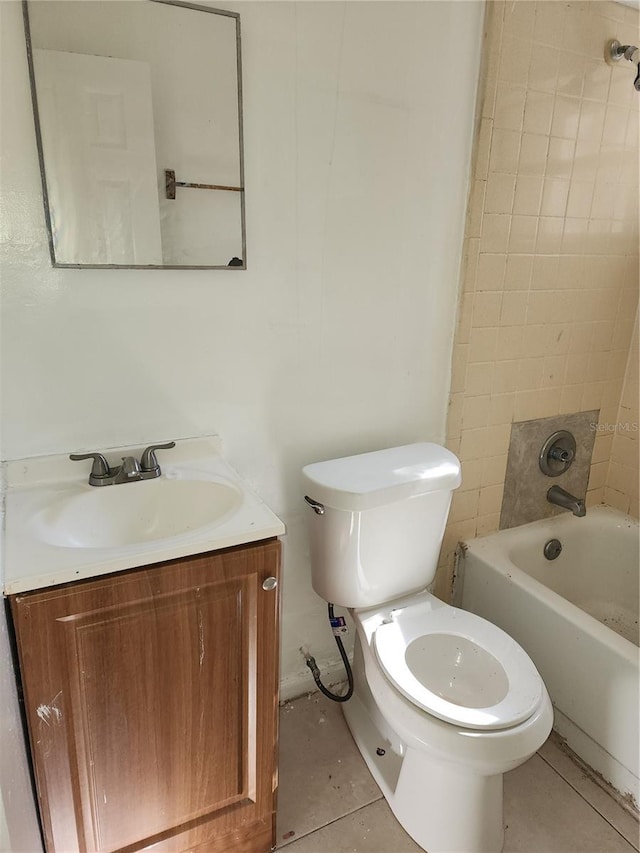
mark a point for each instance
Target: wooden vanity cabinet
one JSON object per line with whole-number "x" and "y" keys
{"x": 151, "y": 697}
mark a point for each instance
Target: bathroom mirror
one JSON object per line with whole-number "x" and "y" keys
{"x": 138, "y": 116}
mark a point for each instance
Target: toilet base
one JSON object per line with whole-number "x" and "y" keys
{"x": 444, "y": 808}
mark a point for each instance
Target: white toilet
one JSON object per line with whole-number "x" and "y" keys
{"x": 444, "y": 701}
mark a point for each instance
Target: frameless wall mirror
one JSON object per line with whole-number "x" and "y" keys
{"x": 138, "y": 115}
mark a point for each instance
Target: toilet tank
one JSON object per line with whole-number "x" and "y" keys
{"x": 377, "y": 529}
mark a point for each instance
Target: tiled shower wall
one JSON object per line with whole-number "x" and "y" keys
{"x": 550, "y": 280}
{"x": 621, "y": 481}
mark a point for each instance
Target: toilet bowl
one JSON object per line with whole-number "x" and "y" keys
{"x": 456, "y": 666}
{"x": 442, "y": 777}
{"x": 444, "y": 702}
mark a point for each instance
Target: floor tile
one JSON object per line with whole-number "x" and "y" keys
{"x": 543, "y": 814}
{"x": 328, "y": 800}
{"x": 322, "y": 775}
{"x": 579, "y": 780}
{"x": 372, "y": 829}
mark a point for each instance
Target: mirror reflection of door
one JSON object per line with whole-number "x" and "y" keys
{"x": 126, "y": 89}
{"x": 96, "y": 122}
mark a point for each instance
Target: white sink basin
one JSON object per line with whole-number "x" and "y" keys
{"x": 132, "y": 513}
{"x": 60, "y": 529}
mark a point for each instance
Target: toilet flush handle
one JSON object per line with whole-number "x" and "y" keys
{"x": 318, "y": 508}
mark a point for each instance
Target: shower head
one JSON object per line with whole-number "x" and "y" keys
{"x": 615, "y": 52}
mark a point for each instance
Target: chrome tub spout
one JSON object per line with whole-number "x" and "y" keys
{"x": 559, "y": 497}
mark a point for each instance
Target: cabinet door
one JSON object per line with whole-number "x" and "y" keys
{"x": 151, "y": 699}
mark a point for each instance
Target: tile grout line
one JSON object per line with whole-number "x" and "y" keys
{"x": 381, "y": 797}
{"x": 329, "y": 823}
{"x": 589, "y": 803}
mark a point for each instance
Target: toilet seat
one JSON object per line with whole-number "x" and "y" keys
{"x": 457, "y": 666}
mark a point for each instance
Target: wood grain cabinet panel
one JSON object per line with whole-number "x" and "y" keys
{"x": 151, "y": 701}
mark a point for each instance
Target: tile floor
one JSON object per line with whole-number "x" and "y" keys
{"x": 328, "y": 801}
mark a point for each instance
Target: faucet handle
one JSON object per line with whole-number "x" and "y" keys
{"x": 148, "y": 460}
{"x": 100, "y": 467}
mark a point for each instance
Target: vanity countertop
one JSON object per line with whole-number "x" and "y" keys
{"x": 39, "y": 491}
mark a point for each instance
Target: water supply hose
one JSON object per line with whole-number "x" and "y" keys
{"x": 313, "y": 666}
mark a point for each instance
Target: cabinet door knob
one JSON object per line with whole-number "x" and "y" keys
{"x": 269, "y": 584}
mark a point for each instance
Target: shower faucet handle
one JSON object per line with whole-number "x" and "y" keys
{"x": 561, "y": 454}
{"x": 557, "y": 453}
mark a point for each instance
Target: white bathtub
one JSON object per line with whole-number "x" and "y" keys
{"x": 577, "y": 617}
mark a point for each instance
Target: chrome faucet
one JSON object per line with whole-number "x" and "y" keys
{"x": 131, "y": 470}
{"x": 559, "y": 497}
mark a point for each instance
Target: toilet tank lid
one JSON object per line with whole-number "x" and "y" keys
{"x": 374, "y": 479}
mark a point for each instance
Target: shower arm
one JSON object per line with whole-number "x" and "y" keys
{"x": 617, "y": 51}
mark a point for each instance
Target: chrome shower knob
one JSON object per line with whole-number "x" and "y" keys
{"x": 557, "y": 453}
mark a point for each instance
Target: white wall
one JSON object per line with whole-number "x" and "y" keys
{"x": 337, "y": 339}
